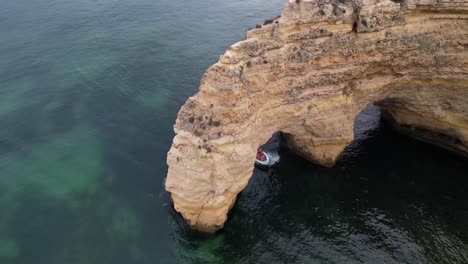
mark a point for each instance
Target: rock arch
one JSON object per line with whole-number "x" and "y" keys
{"x": 309, "y": 73}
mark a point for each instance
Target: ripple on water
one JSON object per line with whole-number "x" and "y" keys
{"x": 89, "y": 91}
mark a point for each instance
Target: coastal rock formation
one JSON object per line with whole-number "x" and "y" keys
{"x": 309, "y": 73}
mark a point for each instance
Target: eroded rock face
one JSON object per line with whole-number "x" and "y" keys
{"x": 309, "y": 73}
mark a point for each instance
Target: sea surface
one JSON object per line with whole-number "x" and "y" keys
{"x": 89, "y": 91}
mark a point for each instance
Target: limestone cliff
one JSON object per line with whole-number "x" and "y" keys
{"x": 309, "y": 73}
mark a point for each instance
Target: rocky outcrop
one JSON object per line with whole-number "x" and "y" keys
{"x": 309, "y": 73}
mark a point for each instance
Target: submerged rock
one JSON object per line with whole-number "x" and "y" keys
{"x": 309, "y": 73}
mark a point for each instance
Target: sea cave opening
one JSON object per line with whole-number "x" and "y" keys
{"x": 383, "y": 183}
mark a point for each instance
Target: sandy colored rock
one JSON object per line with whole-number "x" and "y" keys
{"x": 309, "y": 73}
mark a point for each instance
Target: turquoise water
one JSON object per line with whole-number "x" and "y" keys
{"x": 89, "y": 91}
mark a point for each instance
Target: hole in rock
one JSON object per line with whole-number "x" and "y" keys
{"x": 384, "y": 183}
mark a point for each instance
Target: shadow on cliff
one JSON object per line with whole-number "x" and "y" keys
{"x": 382, "y": 187}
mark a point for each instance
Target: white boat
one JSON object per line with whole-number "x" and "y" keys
{"x": 263, "y": 162}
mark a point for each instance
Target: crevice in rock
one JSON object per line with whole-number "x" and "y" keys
{"x": 309, "y": 77}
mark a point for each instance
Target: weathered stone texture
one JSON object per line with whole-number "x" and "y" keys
{"x": 309, "y": 73}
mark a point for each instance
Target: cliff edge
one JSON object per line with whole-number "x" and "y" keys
{"x": 309, "y": 73}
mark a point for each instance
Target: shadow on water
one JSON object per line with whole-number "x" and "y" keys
{"x": 399, "y": 201}
{"x": 379, "y": 203}
{"x": 89, "y": 92}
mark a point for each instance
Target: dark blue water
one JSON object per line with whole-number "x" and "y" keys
{"x": 89, "y": 91}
